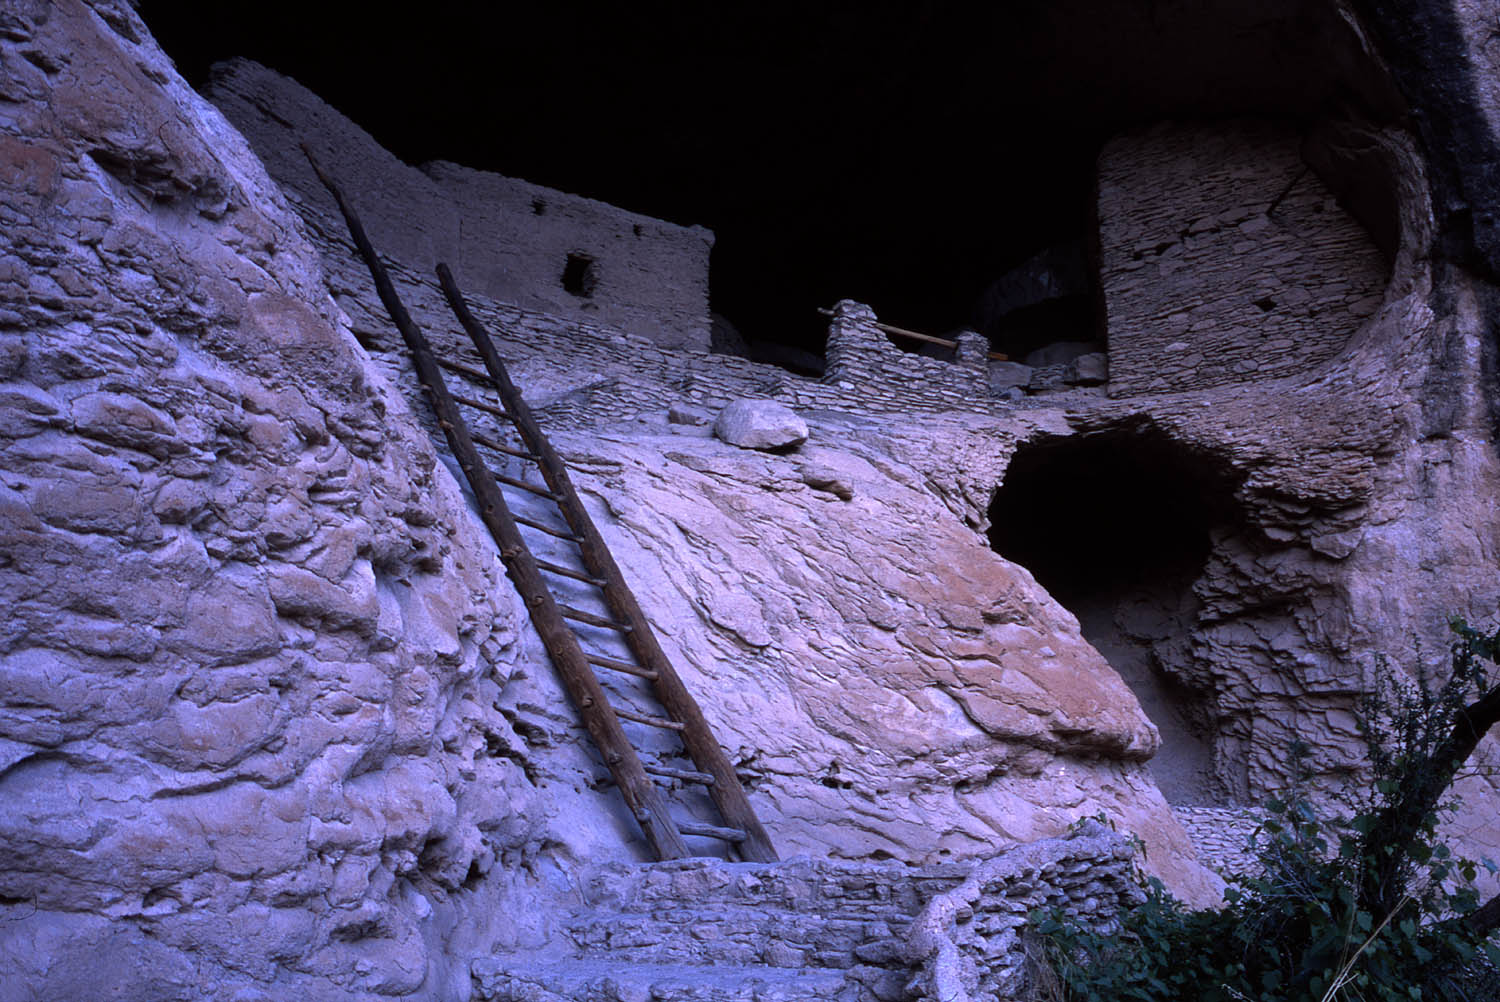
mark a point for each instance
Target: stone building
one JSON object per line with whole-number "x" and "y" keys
{"x": 506, "y": 239}
{"x": 1224, "y": 258}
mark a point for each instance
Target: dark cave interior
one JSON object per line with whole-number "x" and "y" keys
{"x": 1117, "y": 526}
{"x": 906, "y": 156}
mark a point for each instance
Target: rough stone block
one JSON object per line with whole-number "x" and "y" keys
{"x": 760, "y": 424}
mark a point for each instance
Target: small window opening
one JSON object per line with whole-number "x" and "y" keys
{"x": 579, "y": 277}
{"x": 538, "y": 207}
{"x": 636, "y": 229}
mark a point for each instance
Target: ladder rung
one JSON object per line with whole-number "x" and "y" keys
{"x": 509, "y": 450}
{"x": 481, "y": 405}
{"x": 712, "y": 831}
{"x": 465, "y": 370}
{"x": 624, "y": 666}
{"x": 686, "y": 775}
{"x": 641, "y": 718}
{"x": 540, "y": 492}
{"x": 588, "y": 617}
{"x": 568, "y": 572}
{"x": 544, "y": 527}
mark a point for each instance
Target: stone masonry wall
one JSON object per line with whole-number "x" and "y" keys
{"x": 506, "y": 239}
{"x": 861, "y": 358}
{"x": 613, "y": 374}
{"x": 815, "y": 928}
{"x": 1248, "y": 271}
{"x": 639, "y": 368}
{"x": 642, "y": 274}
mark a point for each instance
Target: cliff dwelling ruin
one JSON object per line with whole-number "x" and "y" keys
{"x": 1200, "y": 426}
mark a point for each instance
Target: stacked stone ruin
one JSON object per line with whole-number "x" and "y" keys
{"x": 1250, "y": 270}
{"x": 815, "y": 929}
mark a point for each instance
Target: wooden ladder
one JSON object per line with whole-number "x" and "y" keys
{"x": 680, "y": 713}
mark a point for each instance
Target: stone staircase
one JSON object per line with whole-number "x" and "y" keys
{"x": 705, "y": 930}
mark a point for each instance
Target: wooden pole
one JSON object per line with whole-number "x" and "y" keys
{"x": 903, "y": 332}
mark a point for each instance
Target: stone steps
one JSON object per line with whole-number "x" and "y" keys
{"x": 795, "y": 914}
{"x": 706, "y": 930}
{"x": 794, "y": 885}
{"x": 600, "y": 980}
{"x": 742, "y": 938}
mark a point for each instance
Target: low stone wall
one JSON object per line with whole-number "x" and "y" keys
{"x": 967, "y": 941}
{"x": 1221, "y": 835}
{"x": 614, "y": 374}
{"x": 852, "y": 931}
{"x": 1249, "y": 271}
{"x": 861, "y": 358}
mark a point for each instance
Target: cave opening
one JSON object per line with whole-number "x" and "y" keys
{"x": 1117, "y": 526}
{"x": 911, "y": 157}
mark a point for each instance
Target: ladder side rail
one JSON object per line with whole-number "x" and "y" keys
{"x": 702, "y": 745}
{"x": 640, "y": 793}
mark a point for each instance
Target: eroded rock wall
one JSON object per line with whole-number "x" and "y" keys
{"x": 1365, "y": 520}
{"x": 252, "y": 640}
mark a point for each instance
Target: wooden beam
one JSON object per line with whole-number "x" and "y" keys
{"x": 903, "y": 332}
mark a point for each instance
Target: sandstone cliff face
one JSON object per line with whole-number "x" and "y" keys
{"x": 252, "y": 641}
{"x": 892, "y": 687}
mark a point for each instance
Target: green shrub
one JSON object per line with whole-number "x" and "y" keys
{"x": 1364, "y": 904}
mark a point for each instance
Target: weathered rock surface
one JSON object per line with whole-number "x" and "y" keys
{"x": 1007, "y": 374}
{"x": 253, "y": 641}
{"x": 760, "y": 424}
{"x": 687, "y": 415}
{"x": 889, "y": 685}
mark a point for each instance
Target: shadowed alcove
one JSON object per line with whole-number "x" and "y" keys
{"x": 935, "y": 161}
{"x": 1117, "y": 526}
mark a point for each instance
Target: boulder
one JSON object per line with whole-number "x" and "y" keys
{"x": 1061, "y": 352}
{"x": 760, "y": 424}
{"x": 1091, "y": 369}
{"x": 1004, "y": 375}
